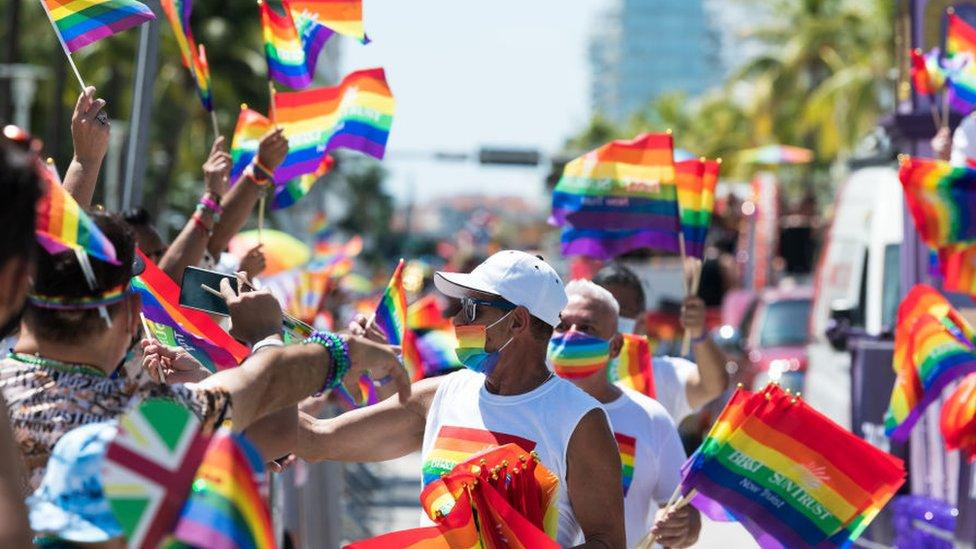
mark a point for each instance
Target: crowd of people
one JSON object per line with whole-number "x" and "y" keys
{"x": 520, "y": 330}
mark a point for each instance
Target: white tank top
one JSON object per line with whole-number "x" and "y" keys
{"x": 465, "y": 419}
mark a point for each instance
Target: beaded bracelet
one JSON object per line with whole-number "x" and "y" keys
{"x": 198, "y": 222}
{"x": 339, "y": 352}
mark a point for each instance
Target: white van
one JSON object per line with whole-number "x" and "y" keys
{"x": 858, "y": 277}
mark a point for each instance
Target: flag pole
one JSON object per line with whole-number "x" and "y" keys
{"x": 213, "y": 120}
{"x": 274, "y": 120}
{"x": 686, "y": 283}
{"x": 64, "y": 46}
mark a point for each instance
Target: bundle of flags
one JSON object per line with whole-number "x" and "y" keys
{"x": 958, "y": 418}
{"x": 292, "y": 43}
{"x": 696, "y": 181}
{"x": 633, "y": 368}
{"x": 501, "y": 498}
{"x": 62, "y": 225}
{"x": 172, "y": 324}
{"x": 938, "y": 196}
{"x": 934, "y": 346}
{"x": 194, "y": 56}
{"x": 391, "y": 318}
{"x": 81, "y": 23}
{"x": 619, "y": 197}
{"x": 789, "y": 475}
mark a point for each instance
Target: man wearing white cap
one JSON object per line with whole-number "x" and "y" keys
{"x": 508, "y": 307}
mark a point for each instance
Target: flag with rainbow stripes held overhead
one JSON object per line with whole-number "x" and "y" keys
{"x": 938, "y": 196}
{"x": 292, "y": 44}
{"x": 80, "y": 23}
{"x": 62, "y": 225}
{"x": 788, "y": 474}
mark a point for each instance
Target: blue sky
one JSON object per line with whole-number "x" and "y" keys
{"x": 505, "y": 72}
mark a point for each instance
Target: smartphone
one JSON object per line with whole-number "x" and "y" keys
{"x": 194, "y": 295}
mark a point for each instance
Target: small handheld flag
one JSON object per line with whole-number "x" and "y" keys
{"x": 62, "y": 225}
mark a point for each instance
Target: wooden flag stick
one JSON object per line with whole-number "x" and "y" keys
{"x": 271, "y": 103}
{"x": 945, "y": 109}
{"x": 261, "y": 217}
{"x": 216, "y": 127}
{"x": 686, "y": 284}
{"x": 64, "y": 46}
{"x": 935, "y": 114}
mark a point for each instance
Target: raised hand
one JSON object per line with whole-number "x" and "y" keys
{"x": 90, "y": 128}
{"x": 216, "y": 170}
{"x": 272, "y": 149}
{"x": 379, "y": 361}
{"x": 693, "y": 316}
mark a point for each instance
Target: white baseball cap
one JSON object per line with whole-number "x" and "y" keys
{"x": 520, "y": 278}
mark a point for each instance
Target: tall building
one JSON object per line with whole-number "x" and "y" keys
{"x": 641, "y": 49}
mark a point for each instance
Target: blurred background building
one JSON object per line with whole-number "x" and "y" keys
{"x": 644, "y": 48}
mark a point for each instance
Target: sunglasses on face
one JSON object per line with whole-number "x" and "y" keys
{"x": 469, "y": 306}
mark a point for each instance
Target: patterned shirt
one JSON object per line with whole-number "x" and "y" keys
{"x": 45, "y": 401}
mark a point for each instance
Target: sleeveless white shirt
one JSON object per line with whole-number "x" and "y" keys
{"x": 465, "y": 419}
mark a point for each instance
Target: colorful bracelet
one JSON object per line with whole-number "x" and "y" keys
{"x": 212, "y": 204}
{"x": 198, "y": 223}
{"x": 339, "y": 353}
{"x": 260, "y": 172}
{"x": 201, "y": 209}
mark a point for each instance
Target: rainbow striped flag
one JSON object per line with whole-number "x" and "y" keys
{"x": 251, "y": 127}
{"x": 934, "y": 345}
{"x": 173, "y": 324}
{"x": 62, "y": 225}
{"x": 391, "y": 317}
{"x": 291, "y": 44}
{"x": 790, "y": 475}
{"x": 938, "y": 196}
{"x": 342, "y": 16}
{"x": 355, "y": 115}
{"x": 436, "y": 351}
{"x": 456, "y": 530}
{"x": 928, "y": 77}
{"x": 289, "y": 193}
{"x": 79, "y": 23}
{"x": 957, "y": 268}
{"x": 226, "y": 508}
{"x": 426, "y": 314}
{"x": 960, "y": 37}
{"x": 194, "y": 56}
{"x": 958, "y": 419}
{"x": 696, "y": 181}
{"x": 633, "y": 367}
{"x": 608, "y": 244}
{"x": 621, "y": 185}
{"x": 628, "y": 449}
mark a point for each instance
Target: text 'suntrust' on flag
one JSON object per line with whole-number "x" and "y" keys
{"x": 791, "y": 476}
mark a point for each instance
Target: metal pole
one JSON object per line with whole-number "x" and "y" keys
{"x": 147, "y": 61}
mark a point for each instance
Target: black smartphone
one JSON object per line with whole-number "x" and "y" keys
{"x": 200, "y": 289}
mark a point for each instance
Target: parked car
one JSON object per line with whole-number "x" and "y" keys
{"x": 769, "y": 342}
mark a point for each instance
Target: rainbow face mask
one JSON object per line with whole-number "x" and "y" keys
{"x": 471, "y": 347}
{"x": 577, "y": 355}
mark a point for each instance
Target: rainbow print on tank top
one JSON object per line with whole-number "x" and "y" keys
{"x": 628, "y": 451}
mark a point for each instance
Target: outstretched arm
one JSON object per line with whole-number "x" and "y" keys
{"x": 242, "y": 197}
{"x": 711, "y": 378}
{"x": 90, "y": 138}
{"x": 191, "y": 243}
{"x": 594, "y": 480}
{"x": 387, "y": 430}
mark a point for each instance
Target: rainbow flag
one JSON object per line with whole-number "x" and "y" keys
{"x": 201, "y": 70}
{"x": 928, "y": 77}
{"x": 621, "y": 185}
{"x": 436, "y": 351}
{"x": 290, "y": 192}
{"x": 426, "y": 314}
{"x": 938, "y": 196}
{"x": 251, "y": 127}
{"x": 457, "y": 530}
{"x": 79, "y": 23}
{"x": 291, "y": 45}
{"x": 633, "y": 367}
{"x": 342, "y": 16}
{"x": 356, "y": 115}
{"x": 790, "y": 475}
{"x": 957, "y": 268}
{"x": 62, "y": 225}
{"x": 226, "y": 508}
{"x": 958, "y": 419}
{"x": 608, "y": 244}
{"x": 391, "y": 317}
{"x": 934, "y": 350}
{"x": 628, "y": 449}
{"x": 194, "y": 56}
{"x": 173, "y": 324}
{"x": 960, "y": 37}
{"x": 455, "y": 445}
{"x": 696, "y": 180}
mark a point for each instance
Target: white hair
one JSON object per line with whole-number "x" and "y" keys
{"x": 587, "y": 288}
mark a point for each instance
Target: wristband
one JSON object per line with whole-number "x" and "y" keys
{"x": 211, "y": 204}
{"x": 198, "y": 223}
{"x": 200, "y": 209}
{"x": 260, "y": 173}
{"x": 339, "y": 353}
{"x": 273, "y": 340}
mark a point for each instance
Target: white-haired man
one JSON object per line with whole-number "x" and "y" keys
{"x": 582, "y": 344}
